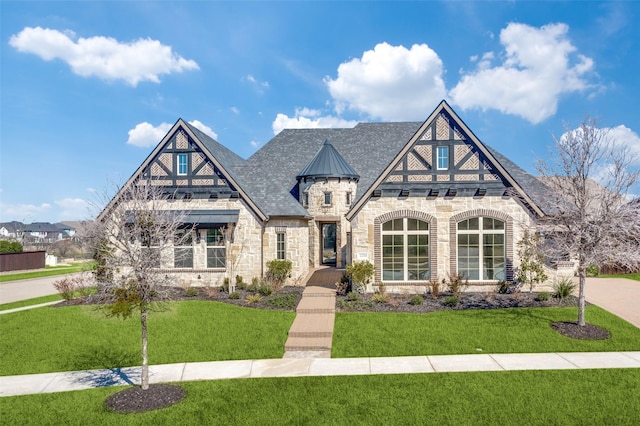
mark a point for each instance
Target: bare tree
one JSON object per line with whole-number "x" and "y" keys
{"x": 132, "y": 239}
{"x": 593, "y": 222}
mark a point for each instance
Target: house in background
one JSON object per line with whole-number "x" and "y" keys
{"x": 421, "y": 201}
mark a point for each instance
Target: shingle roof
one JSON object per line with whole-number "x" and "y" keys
{"x": 328, "y": 163}
{"x": 368, "y": 147}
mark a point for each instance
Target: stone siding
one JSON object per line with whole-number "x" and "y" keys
{"x": 440, "y": 211}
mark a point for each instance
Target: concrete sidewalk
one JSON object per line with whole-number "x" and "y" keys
{"x": 293, "y": 367}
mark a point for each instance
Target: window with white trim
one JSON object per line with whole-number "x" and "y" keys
{"x": 443, "y": 157}
{"x": 405, "y": 250}
{"x": 182, "y": 164}
{"x": 183, "y": 249}
{"x": 281, "y": 247}
{"x": 216, "y": 250}
{"x": 481, "y": 249}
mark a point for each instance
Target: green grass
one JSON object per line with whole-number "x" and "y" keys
{"x": 586, "y": 397}
{"x": 635, "y": 277}
{"x": 49, "y": 271}
{"x": 358, "y": 334}
{"x": 30, "y": 302}
{"x": 80, "y": 337}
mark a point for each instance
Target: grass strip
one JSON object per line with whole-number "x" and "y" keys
{"x": 586, "y": 397}
{"x": 30, "y": 302}
{"x": 49, "y": 271}
{"x": 524, "y": 330}
{"x": 635, "y": 277}
{"x": 81, "y": 337}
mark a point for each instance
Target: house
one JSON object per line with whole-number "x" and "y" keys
{"x": 420, "y": 200}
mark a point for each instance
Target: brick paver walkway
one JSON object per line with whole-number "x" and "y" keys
{"x": 311, "y": 333}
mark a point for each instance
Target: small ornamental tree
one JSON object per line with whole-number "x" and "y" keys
{"x": 278, "y": 271}
{"x": 133, "y": 236}
{"x": 531, "y": 270}
{"x": 591, "y": 217}
{"x": 10, "y": 247}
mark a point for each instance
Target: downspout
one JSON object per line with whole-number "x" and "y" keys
{"x": 263, "y": 228}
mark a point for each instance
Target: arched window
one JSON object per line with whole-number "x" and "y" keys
{"x": 481, "y": 249}
{"x": 405, "y": 250}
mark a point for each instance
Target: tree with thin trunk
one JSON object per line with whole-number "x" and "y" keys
{"x": 132, "y": 239}
{"x": 531, "y": 269}
{"x": 591, "y": 217}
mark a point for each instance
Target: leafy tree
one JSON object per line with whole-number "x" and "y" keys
{"x": 531, "y": 270}
{"x": 593, "y": 222}
{"x": 10, "y": 247}
{"x": 132, "y": 238}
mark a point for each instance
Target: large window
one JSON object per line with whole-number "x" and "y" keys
{"x": 216, "y": 251}
{"x": 405, "y": 250}
{"x": 183, "y": 249}
{"x": 280, "y": 246}
{"x": 481, "y": 251}
{"x": 182, "y": 164}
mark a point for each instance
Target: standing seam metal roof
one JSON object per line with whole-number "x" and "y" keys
{"x": 328, "y": 163}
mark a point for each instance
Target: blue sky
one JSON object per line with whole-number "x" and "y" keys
{"x": 89, "y": 88}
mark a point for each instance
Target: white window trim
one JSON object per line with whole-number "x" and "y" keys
{"x": 405, "y": 232}
{"x": 481, "y": 232}
{"x": 186, "y": 166}
{"x": 282, "y": 235}
{"x": 446, "y": 148}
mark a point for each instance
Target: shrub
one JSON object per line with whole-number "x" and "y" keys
{"x": 457, "y": 284}
{"x": 563, "y": 289}
{"x": 381, "y": 298}
{"x": 66, "y": 288}
{"x": 234, "y": 295}
{"x": 265, "y": 289}
{"x": 10, "y": 247}
{"x": 592, "y": 270}
{"x": 238, "y": 279}
{"x": 210, "y": 291}
{"x": 353, "y": 295}
{"x": 451, "y": 301}
{"x": 255, "y": 281}
{"x": 277, "y": 272}
{"x": 287, "y": 301}
{"x": 253, "y": 299}
{"x": 225, "y": 286}
{"x": 503, "y": 287}
{"x": 361, "y": 272}
{"x": 434, "y": 288}
{"x": 341, "y": 288}
{"x": 191, "y": 292}
{"x": 543, "y": 296}
{"x": 241, "y": 286}
{"x": 415, "y": 300}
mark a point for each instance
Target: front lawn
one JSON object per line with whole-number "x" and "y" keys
{"x": 565, "y": 397}
{"x": 367, "y": 334}
{"x": 80, "y": 337}
{"x": 49, "y": 271}
{"x": 635, "y": 277}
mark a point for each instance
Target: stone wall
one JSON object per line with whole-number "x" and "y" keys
{"x": 296, "y": 245}
{"x": 443, "y": 210}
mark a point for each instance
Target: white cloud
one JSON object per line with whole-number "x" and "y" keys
{"x": 145, "y": 134}
{"x": 73, "y": 209}
{"x": 25, "y": 212}
{"x": 254, "y": 144}
{"x": 203, "y": 128}
{"x": 539, "y": 65}
{"x": 260, "y": 85}
{"x": 103, "y": 57}
{"x": 390, "y": 83}
{"x": 306, "y": 118}
{"x": 624, "y": 137}
{"x": 235, "y": 110}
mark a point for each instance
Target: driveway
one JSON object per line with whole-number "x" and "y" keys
{"x": 12, "y": 291}
{"x": 619, "y": 296}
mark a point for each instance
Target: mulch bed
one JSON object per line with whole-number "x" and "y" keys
{"x": 136, "y": 400}
{"x": 584, "y": 332}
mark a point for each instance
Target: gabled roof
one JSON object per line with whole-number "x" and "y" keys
{"x": 328, "y": 163}
{"x": 489, "y": 154}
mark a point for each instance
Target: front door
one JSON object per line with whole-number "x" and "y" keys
{"x": 328, "y": 237}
